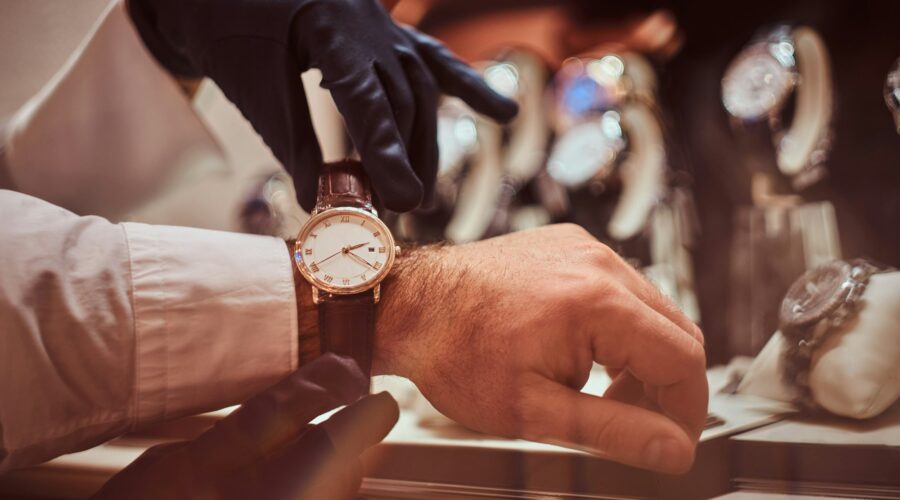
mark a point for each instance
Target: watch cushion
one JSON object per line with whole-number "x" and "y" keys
{"x": 856, "y": 371}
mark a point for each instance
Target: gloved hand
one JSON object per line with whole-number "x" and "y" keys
{"x": 384, "y": 78}
{"x": 265, "y": 449}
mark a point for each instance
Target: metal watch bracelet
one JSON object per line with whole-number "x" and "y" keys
{"x": 803, "y": 341}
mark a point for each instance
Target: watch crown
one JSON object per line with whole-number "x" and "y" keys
{"x": 397, "y": 250}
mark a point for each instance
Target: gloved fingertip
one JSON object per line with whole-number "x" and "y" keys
{"x": 401, "y": 205}
{"x": 306, "y": 196}
{"x": 504, "y": 109}
{"x": 399, "y": 196}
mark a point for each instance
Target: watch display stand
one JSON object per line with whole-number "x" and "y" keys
{"x": 856, "y": 371}
{"x": 773, "y": 244}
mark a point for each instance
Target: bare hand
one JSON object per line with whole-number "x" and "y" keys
{"x": 501, "y": 335}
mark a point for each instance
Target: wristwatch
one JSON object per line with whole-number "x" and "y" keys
{"x": 819, "y": 301}
{"x": 587, "y": 94}
{"x": 345, "y": 251}
{"x": 506, "y": 157}
{"x": 778, "y": 64}
{"x": 607, "y": 121}
{"x": 457, "y": 135}
{"x": 892, "y": 92}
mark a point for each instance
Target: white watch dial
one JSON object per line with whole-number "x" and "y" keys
{"x": 344, "y": 250}
{"x": 755, "y": 84}
{"x": 586, "y": 151}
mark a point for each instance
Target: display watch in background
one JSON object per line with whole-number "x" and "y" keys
{"x": 457, "y": 135}
{"x": 503, "y": 159}
{"x": 892, "y": 92}
{"x": 607, "y": 122}
{"x": 270, "y": 207}
{"x": 782, "y": 63}
{"x": 821, "y": 300}
{"x": 587, "y": 96}
{"x": 345, "y": 251}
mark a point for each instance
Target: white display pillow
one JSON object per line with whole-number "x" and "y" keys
{"x": 856, "y": 371}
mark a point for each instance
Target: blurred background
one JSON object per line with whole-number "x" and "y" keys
{"x": 624, "y": 130}
{"x": 723, "y": 148}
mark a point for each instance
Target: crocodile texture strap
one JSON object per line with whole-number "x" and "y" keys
{"x": 347, "y": 325}
{"x": 343, "y": 184}
{"x": 346, "y": 322}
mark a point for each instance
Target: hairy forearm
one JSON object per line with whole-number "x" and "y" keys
{"x": 420, "y": 276}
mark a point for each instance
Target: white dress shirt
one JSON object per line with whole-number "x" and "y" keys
{"x": 106, "y": 327}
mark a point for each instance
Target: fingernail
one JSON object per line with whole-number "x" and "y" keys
{"x": 661, "y": 454}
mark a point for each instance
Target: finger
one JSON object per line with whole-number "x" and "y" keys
{"x": 618, "y": 431}
{"x": 656, "y": 352}
{"x": 642, "y": 288}
{"x": 342, "y": 483}
{"x": 157, "y": 473}
{"x": 362, "y": 424}
{"x": 274, "y": 417}
{"x": 627, "y": 389}
{"x": 370, "y": 121}
{"x": 328, "y": 455}
{"x": 423, "y": 147}
{"x": 394, "y": 82}
{"x": 277, "y": 109}
{"x": 458, "y": 79}
{"x": 297, "y": 470}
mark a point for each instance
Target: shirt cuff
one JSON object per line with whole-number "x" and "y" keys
{"x": 215, "y": 318}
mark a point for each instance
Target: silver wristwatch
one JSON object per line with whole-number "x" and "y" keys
{"x": 587, "y": 96}
{"x": 819, "y": 301}
{"x": 782, "y": 62}
{"x": 892, "y": 92}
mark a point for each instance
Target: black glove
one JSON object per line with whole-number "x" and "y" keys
{"x": 384, "y": 78}
{"x": 266, "y": 449}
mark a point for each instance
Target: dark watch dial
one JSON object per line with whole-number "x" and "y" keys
{"x": 815, "y": 295}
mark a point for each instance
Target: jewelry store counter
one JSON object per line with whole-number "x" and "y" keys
{"x": 748, "y": 445}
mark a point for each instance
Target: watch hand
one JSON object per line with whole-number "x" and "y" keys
{"x": 360, "y": 259}
{"x": 343, "y": 250}
{"x": 354, "y": 247}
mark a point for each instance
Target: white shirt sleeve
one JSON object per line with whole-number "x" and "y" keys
{"x": 105, "y": 327}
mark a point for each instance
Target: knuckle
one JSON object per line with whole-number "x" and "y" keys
{"x": 595, "y": 253}
{"x": 572, "y": 230}
{"x": 697, "y": 333}
{"x": 696, "y": 356}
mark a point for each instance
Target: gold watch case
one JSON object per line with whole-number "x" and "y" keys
{"x": 322, "y": 286}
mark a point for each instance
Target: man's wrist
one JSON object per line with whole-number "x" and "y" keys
{"x": 399, "y": 314}
{"x": 402, "y": 316}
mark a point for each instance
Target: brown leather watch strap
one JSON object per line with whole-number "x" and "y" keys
{"x": 343, "y": 184}
{"x": 346, "y": 322}
{"x": 347, "y": 326}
